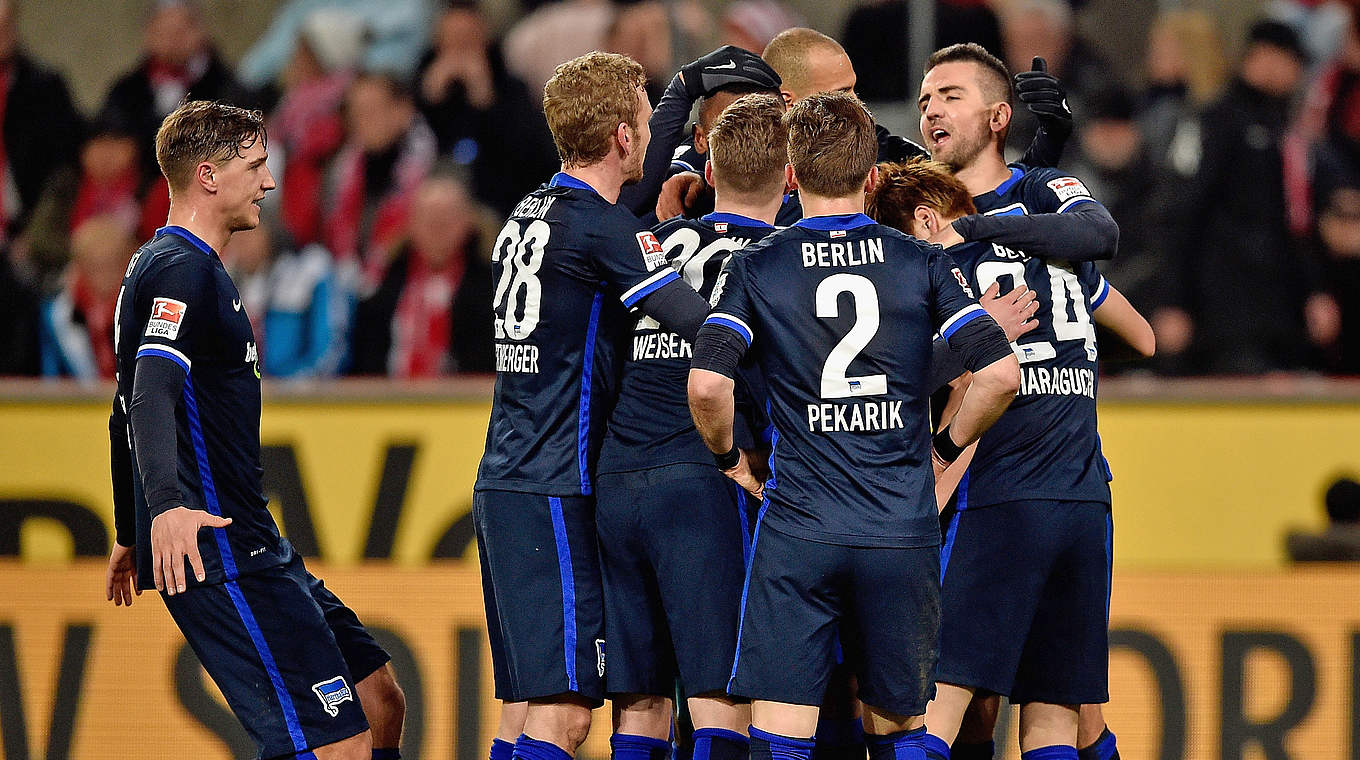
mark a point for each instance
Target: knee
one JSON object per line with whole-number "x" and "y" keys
{"x": 575, "y": 726}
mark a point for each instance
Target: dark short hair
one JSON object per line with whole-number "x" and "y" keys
{"x": 971, "y": 52}
{"x": 749, "y": 144}
{"x": 204, "y": 130}
{"x": 919, "y": 182}
{"x": 832, "y": 143}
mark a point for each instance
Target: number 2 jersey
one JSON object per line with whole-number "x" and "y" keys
{"x": 651, "y": 424}
{"x": 839, "y": 312}
{"x": 567, "y": 267}
{"x": 1046, "y": 445}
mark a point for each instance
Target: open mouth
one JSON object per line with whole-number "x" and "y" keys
{"x": 938, "y": 136}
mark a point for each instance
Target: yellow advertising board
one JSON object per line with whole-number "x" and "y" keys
{"x": 1204, "y": 666}
{"x": 1200, "y": 484}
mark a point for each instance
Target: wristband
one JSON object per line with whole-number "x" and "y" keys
{"x": 729, "y": 460}
{"x": 945, "y": 447}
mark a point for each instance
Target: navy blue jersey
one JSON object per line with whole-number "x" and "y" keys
{"x": 651, "y": 424}
{"x": 1045, "y": 446}
{"x": 839, "y": 312}
{"x": 568, "y": 265}
{"x": 177, "y": 303}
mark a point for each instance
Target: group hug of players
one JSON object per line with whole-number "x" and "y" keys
{"x": 797, "y": 595}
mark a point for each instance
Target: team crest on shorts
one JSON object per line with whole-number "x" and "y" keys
{"x": 332, "y": 692}
{"x": 599, "y": 657}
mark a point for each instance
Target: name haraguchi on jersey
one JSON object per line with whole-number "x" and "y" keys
{"x": 1046, "y": 445}
{"x": 839, "y": 312}
{"x": 568, "y": 265}
{"x": 651, "y": 424}
{"x": 178, "y": 303}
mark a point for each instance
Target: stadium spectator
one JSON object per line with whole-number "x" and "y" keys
{"x": 298, "y": 306}
{"x": 20, "y": 317}
{"x": 395, "y": 32}
{"x": 431, "y": 314}
{"x": 875, "y": 36}
{"x": 1186, "y": 69}
{"x": 482, "y": 115}
{"x": 1247, "y": 286}
{"x": 77, "y": 323}
{"x": 306, "y": 127}
{"x": 179, "y": 62}
{"x": 387, "y": 152}
{"x": 1047, "y": 29}
{"x": 41, "y": 129}
{"x": 751, "y": 24}
{"x": 555, "y": 32}
{"x": 1340, "y": 541}
{"x": 1338, "y": 237}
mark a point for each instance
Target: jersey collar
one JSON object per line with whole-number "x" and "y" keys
{"x": 1016, "y": 174}
{"x": 737, "y": 219}
{"x": 834, "y": 222}
{"x": 562, "y": 179}
{"x": 174, "y": 229}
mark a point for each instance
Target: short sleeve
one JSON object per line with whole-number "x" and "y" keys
{"x": 1054, "y": 192}
{"x": 731, "y": 300}
{"x": 634, "y": 262}
{"x": 953, "y": 304}
{"x": 181, "y": 310}
{"x": 1093, "y": 282}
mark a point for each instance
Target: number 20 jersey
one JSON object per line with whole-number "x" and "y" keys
{"x": 567, "y": 266}
{"x": 839, "y": 312}
{"x": 1046, "y": 445}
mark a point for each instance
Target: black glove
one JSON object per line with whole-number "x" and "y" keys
{"x": 726, "y": 66}
{"x": 1043, "y": 94}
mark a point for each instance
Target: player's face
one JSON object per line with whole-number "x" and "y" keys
{"x": 637, "y": 147}
{"x": 241, "y": 184}
{"x": 956, "y": 118}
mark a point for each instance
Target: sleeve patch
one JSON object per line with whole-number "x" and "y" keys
{"x": 166, "y": 316}
{"x": 652, "y": 252}
{"x": 1067, "y": 188}
{"x": 963, "y": 282}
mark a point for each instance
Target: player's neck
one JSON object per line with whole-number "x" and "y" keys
{"x": 205, "y": 225}
{"x": 819, "y": 205}
{"x": 765, "y": 211}
{"x": 604, "y": 177}
{"x": 984, "y": 174}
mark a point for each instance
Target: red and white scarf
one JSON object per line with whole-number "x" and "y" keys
{"x": 422, "y": 325}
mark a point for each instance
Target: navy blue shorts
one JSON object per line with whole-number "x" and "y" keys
{"x": 672, "y": 556}
{"x": 1026, "y": 590}
{"x": 802, "y": 597}
{"x": 286, "y": 654}
{"x": 541, "y": 585}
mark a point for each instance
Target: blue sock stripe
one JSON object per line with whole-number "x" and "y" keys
{"x": 1053, "y": 752}
{"x": 501, "y": 750}
{"x": 290, "y": 717}
{"x": 527, "y": 748}
{"x": 568, "y": 590}
{"x": 721, "y": 733}
{"x": 1105, "y": 745}
{"x": 935, "y": 747}
{"x": 790, "y": 741}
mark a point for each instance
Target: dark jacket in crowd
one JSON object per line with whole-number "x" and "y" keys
{"x": 42, "y": 131}
{"x": 875, "y": 38}
{"x": 20, "y": 319}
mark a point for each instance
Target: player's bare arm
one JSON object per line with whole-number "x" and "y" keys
{"x": 1117, "y": 314}
{"x": 711, "y": 403}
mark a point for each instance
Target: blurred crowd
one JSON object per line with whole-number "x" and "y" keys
{"x": 403, "y": 131}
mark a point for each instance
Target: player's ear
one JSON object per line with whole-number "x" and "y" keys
{"x": 871, "y": 181}
{"x": 623, "y": 137}
{"x": 708, "y": 172}
{"x": 206, "y": 176}
{"x": 924, "y": 216}
{"x": 790, "y": 178}
{"x": 787, "y": 96}
{"x": 700, "y": 138}
{"x": 1001, "y": 116}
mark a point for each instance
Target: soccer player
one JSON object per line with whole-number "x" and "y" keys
{"x": 672, "y": 529}
{"x": 839, "y": 312}
{"x": 569, "y": 264}
{"x": 293, "y": 661}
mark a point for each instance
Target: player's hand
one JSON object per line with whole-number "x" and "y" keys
{"x": 679, "y": 194}
{"x": 728, "y": 65}
{"x": 120, "y": 582}
{"x": 743, "y": 477}
{"x": 174, "y": 535}
{"x": 1044, "y": 96}
{"x": 1013, "y": 311}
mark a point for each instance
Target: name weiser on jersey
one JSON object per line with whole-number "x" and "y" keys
{"x": 855, "y": 417}
{"x": 1057, "y": 381}
{"x": 852, "y": 253}
{"x": 661, "y": 345}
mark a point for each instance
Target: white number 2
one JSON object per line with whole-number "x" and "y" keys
{"x": 520, "y": 257}
{"x": 835, "y": 383}
{"x": 1064, "y": 288}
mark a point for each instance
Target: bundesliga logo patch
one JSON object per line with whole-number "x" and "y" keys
{"x": 837, "y": 233}
{"x": 332, "y": 692}
{"x": 166, "y": 316}
{"x": 652, "y": 252}
{"x": 720, "y": 227}
{"x": 963, "y": 282}
{"x": 1067, "y": 188}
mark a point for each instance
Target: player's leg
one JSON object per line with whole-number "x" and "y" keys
{"x": 1095, "y": 740}
{"x": 692, "y": 526}
{"x": 264, "y": 641}
{"x": 974, "y": 741}
{"x": 510, "y": 723}
{"x": 383, "y": 701}
{"x": 892, "y": 632}
{"x": 986, "y": 608}
{"x": 840, "y": 725}
{"x": 1048, "y": 731}
{"x": 640, "y": 677}
{"x": 785, "y": 639}
{"x": 541, "y": 555}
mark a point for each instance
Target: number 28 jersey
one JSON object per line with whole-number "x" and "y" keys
{"x": 1046, "y": 445}
{"x": 839, "y": 312}
{"x": 567, "y": 266}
